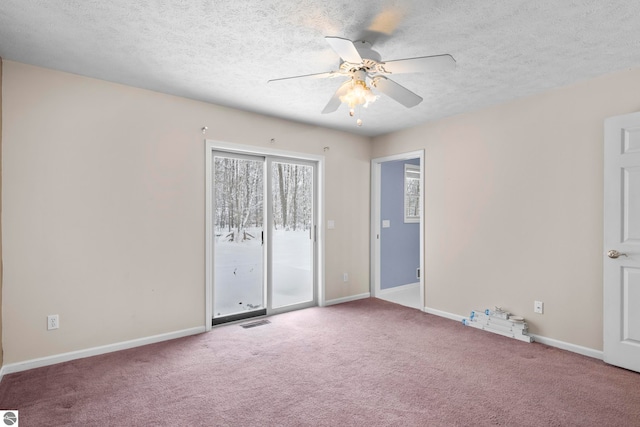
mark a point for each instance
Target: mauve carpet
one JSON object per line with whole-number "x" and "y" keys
{"x": 363, "y": 363}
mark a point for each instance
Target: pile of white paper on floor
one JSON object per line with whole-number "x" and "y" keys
{"x": 499, "y": 322}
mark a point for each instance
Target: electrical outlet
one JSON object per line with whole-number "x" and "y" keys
{"x": 538, "y": 307}
{"x": 53, "y": 322}
{"x": 345, "y": 277}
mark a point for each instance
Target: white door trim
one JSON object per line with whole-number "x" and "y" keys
{"x": 213, "y": 145}
{"x": 375, "y": 219}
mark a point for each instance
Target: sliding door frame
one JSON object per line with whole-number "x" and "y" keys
{"x": 212, "y": 146}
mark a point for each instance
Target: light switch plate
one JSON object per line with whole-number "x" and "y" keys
{"x": 386, "y": 223}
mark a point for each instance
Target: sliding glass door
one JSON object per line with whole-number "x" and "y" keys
{"x": 238, "y": 241}
{"x": 264, "y": 235}
{"x": 292, "y": 233}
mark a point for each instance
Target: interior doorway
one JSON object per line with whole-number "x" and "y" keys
{"x": 262, "y": 236}
{"x": 397, "y": 229}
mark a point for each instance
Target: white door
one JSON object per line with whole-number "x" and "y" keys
{"x": 622, "y": 241}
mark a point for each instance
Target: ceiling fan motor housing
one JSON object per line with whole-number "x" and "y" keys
{"x": 370, "y": 59}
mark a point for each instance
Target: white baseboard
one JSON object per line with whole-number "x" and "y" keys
{"x": 585, "y": 351}
{"x": 443, "y": 314}
{"x": 383, "y": 292}
{"x": 347, "y": 299}
{"x": 94, "y": 351}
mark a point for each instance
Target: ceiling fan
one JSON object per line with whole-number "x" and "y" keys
{"x": 364, "y": 67}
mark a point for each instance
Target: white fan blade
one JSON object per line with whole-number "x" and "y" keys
{"x": 345, "y": 48}
{"x": 335, "y": 102}
{"x": 314, "y": 76}
{"x": 399, "y": 93}
{"x": 421, "y": 64}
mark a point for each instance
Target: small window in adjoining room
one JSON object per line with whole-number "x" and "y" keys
{"x": 411, "y": 193}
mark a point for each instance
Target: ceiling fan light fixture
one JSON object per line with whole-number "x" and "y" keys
{"x": 358, "y": 94}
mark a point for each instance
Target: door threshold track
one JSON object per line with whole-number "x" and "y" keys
{"x": 240, "y": 316}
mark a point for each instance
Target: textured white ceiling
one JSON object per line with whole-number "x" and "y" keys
{"x": 224, "y": 51}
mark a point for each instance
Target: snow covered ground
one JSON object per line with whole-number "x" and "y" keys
{"x": 238, "y": 272}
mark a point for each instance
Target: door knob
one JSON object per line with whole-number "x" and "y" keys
{"x": 614, "y": 254}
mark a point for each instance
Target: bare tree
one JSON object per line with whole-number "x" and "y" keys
{"x": 239, "y": 196}
{"x": 283, "y": 195}
{"x": 295, "y": 197}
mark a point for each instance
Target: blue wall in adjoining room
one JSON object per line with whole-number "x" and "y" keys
{"x": 400, "y": 243}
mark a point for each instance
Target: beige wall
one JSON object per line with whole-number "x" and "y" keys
{"x": 103, "y": 196}
{"x": 514, "y": 205}
{"x": 104, "y": 208}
